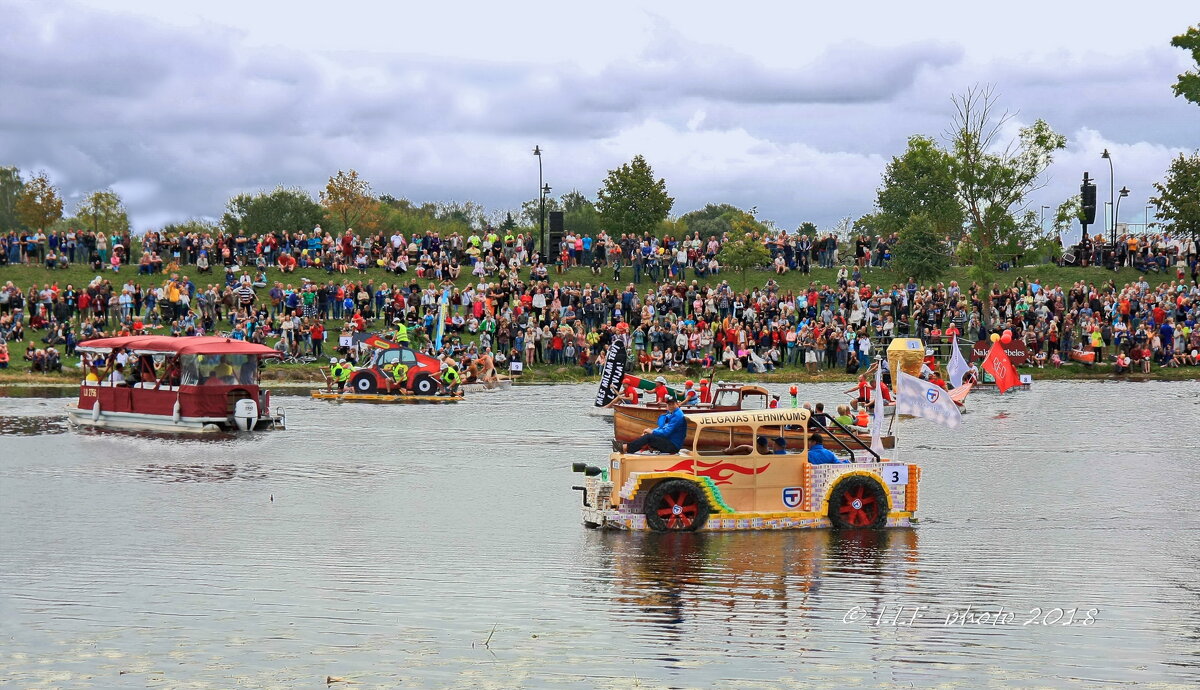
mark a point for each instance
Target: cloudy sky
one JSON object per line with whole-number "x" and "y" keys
{"x": 790, "y": 108}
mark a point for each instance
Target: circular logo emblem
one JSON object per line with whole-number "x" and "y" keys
{"x": 856, "y": 504}
{"x": 676, "y": 510}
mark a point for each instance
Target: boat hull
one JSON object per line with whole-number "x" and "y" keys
{"x": 135, "y": 421}
{"x": 631, "y": 421}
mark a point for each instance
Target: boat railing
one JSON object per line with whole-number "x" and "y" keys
{"x": 849, "y": 434}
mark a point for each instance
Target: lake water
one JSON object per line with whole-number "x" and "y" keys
{"x": 385, "y": 545}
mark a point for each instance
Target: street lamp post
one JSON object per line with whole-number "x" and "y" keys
{"x": 1042, "y": 222}
{"x": 537, "y": 151}
{"x": 1121, "y": 195}
{"x": 1111, "y": 202}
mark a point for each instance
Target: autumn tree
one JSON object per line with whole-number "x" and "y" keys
{"x": 744, "y": 250}
{"x": 103, "y": 211}
{"x": 348, "y": 201}
{"x": 993, "y": 180}
{"x": 39, "y": 203}
{"x": 1177, "y": 204}
{"x": 1188, "y": 85}
{"x": 631, "y": 200}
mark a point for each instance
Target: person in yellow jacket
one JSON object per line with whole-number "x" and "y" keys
{"x": 450, "y": 377}
{"x": 401, "y": 332}
{"x": 399, "y": 374}
{"x": 343, "y": 374}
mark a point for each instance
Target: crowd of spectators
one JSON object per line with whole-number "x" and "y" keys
{"x": 510, "y": 303}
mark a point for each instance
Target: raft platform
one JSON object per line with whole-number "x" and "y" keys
{"x": 384, "y": 398}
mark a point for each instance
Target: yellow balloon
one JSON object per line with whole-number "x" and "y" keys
{"x": 995, "y": 337}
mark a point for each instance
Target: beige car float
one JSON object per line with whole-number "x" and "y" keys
{"x": 749, "y": 486}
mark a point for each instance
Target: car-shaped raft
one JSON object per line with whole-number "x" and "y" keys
{"x": 749, "y": 486}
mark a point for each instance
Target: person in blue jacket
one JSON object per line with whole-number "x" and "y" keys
{"x": 667, "y": 437}
{"x": 818, "y": 454}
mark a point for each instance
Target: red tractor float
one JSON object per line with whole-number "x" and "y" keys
{"x": 423, "y": 370}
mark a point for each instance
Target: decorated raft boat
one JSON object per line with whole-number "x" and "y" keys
{"x": 698, "y": 489}
{"x": 196, "y": 384}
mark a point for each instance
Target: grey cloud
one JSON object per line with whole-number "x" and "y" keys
{"x": 105, "y": 99}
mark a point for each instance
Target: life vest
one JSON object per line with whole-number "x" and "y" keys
{"x": 401, "y": 333}
{"x": 335, "y": 372}
{"x": 863, "y": 419}
{"x": 344, "y": 373}
{"x": 450, "y": 377}
{"x": 400, "y": 372}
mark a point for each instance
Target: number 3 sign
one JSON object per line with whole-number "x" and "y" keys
{"x": 895, "y": 474}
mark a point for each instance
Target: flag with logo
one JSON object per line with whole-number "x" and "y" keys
{"x": 1001, "y": 368}
{"x": 877, "y": 422}
{"x": 957, "y": 368}
{"x": 923, "y": 399}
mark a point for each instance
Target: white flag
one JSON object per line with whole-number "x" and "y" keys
{"x": 923, "y": 399}
{"x": 957, "y": 368}
{"x": 877, "y": 422}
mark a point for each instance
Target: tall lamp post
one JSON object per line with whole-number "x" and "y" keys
{"x": 1111, "y": 195}
{"x": 537, "y": 151}
{"x": 1042, "y": 222}
{"x": 1121, "y": 195}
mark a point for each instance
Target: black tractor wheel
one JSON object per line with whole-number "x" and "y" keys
{"x": 364, "y": 383}
{"x": 425, "y": 385}
{"x": 858, "y": 503}
{"x": 676, "y": 505}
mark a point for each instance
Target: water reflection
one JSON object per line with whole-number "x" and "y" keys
{"x": 666, "y": 579}
{"x": 202, "y": 473}
{"x": 32, "y": 426}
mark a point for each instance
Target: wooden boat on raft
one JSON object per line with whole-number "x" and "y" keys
{"x": 631, "y": 421}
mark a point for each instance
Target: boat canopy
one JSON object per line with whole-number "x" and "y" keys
{"x": 183, "y": 345}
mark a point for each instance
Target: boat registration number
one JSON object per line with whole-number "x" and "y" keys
{"x": 895, "y": 474}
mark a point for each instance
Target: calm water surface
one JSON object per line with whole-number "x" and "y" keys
{"x": 384, "y": 545}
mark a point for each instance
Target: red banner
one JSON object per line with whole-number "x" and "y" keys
{"x": 998, "y": 365}
{"x": 1017, "y": 353}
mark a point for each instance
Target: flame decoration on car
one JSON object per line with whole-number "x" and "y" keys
{"x": 720, "y": 472}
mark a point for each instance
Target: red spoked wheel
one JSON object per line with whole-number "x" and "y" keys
{"x": 676, "y": 505}
{"x": 858, "y": 502}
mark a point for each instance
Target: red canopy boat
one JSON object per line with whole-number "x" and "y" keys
{"x": 185, "y": 384}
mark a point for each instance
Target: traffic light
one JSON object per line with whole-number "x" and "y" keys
{"x": 1087, "y": 192}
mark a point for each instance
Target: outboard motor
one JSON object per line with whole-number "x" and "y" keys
{"x": 245, "y": 414}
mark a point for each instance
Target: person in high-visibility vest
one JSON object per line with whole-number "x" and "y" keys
{"x": 401, "y": 333}
{"x": 399, "y": 372}
{"x": 334, "y": 372}
{"x": 343, "y": 375}
{"x": 451, "y": 377}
